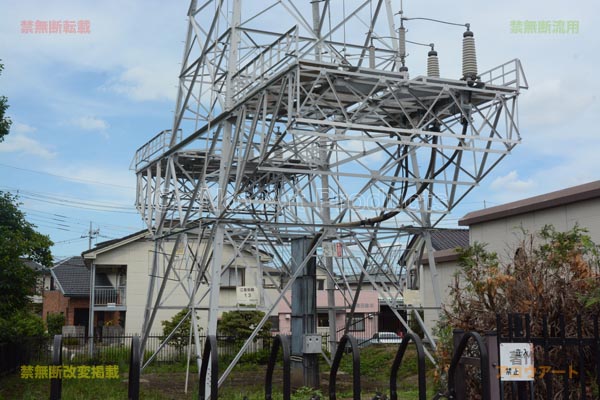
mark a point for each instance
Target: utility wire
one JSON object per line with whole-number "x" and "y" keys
{"x": 65, "y": 177}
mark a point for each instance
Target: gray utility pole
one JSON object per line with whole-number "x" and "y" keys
{"x": 91, "y": 234}
{"x": 305, "y": 364}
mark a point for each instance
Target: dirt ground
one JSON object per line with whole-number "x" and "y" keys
{"x": 171, "y": 385}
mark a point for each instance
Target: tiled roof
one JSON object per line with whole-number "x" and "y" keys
{"x": 35, "y": 266}
{"x": 444, "y": 239}
{"x": 74, "y": 278}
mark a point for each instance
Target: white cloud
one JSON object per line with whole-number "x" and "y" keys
{"x": 89, "y": 123}
{"x": 19, "y": 141}
{"x": 555, "y": 101}
{"x": 19, "y": 127}
{"x": 144, "y": 83}
{"x": 511, "y": 183}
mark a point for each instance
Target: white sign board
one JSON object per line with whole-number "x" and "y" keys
{"x": 327, "y": 249}
{"x": 516, "y": 362}
{"x": 247, "y": 295}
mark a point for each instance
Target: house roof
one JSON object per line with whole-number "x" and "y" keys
{"x": 73, "y": 277}
{"x": 449, "y": 239}
{"x": 445, "y": 242}
{"x": 549, "y": 200}
{"x": 112, "y": 244}
{"x": 37, "y": 267}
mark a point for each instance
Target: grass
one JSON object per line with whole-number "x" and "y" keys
{"x": 166, "y": 381}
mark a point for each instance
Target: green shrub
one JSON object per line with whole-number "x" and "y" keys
{"x": 19, "y": 325}
{"x": 55, "y": 322}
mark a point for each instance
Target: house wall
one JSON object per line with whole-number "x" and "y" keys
{"x": 137, "y": 257}
{"x": 56, "y": 302}
{"x": 446, "y": 271}
{"x": 368, "y": 303}
{"x": 502, "y": 236}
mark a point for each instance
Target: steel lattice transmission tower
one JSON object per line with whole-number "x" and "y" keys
{"x": 297, "y": 123}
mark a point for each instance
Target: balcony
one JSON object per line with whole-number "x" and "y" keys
{"x": 110, "y": 297}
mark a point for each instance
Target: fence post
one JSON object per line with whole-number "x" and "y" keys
{"x": 460, "y": 384}
{"x": 209, "y": 352}
{"x": 355, "y": 367}
{"x": 494, "y": 361}
{"x": 455, "y": 366}
{"x": 56, "y": 383}
{"x": 134, "y": 369}
{"x": 420, "y": 366}
{"x": 283, "y": 342}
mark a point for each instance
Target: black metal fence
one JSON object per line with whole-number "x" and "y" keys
{"x": 116, "y": 350}
{"x": 13, "y": 355}
{"x": 567, "y": 356}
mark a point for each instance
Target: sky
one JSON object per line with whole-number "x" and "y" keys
{"x": 82, "y": 103}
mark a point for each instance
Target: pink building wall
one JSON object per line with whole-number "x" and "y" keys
{"x": 367, "y": 306}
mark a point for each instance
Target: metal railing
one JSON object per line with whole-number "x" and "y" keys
{"x": 509, "y": 74}
{"x": 153, "y": 148}
{"x": 106, "y": 295}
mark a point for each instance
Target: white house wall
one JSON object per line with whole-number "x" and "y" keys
{"x": 502, "y": 236}
{"x": 137, "y": 256}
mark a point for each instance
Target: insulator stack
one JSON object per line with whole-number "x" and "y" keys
{"x": 402, "y": 40}
{"x": 372, "y": 57}
{"x": 433, "y": 64}
{"x": 469, "y": 56}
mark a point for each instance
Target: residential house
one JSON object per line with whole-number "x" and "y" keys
{"x": 502, "y": 226}
{"x": 364, "y": 323}
{"x": 37, "y": 296}
{"x": 127, "y": 264}
{"x": 67, "y": 291}
{"x": 445, "y": 243}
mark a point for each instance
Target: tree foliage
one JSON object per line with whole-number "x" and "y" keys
{"x": 19, "y": 325}
{"x": 5, "y": 121}
{"x": 552, "y": 274}
{"x": 240, "y": 324}
{"x": 55, "y": 322}
{"x": 180, "y": 338}
{"x": 18, "y": 239}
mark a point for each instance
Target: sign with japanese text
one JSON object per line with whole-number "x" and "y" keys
{"x": 516, "y": 362}
{"x": 247, "y": 295}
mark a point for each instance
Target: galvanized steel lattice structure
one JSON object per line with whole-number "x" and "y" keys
{"x": 299, "y": 120}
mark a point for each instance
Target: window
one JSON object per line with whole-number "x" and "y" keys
{"x": 323, "y": 320}
{"x": 413, "y": 279}
{"x": 233, "y": 277}
{"x": 320, "y": 284}
{"x": 274, "y": 319}
{"x": 268, "y": 284}
{"x": 358, "y": 323}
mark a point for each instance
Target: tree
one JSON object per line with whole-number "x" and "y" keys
{"x": 240, "y": 324}
{"x": 18, "y": 239}
{"x": 5, "y": 121}
{"x": 180, "y": 338}
{"x": 553, "y": 275}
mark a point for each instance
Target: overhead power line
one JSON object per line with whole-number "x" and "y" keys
{"x": 89, "y": 181}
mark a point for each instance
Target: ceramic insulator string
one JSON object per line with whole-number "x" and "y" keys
{"x": 433, "y": 64}
{"x": 402, "y": 44}
{"x": 469, "y": 67}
